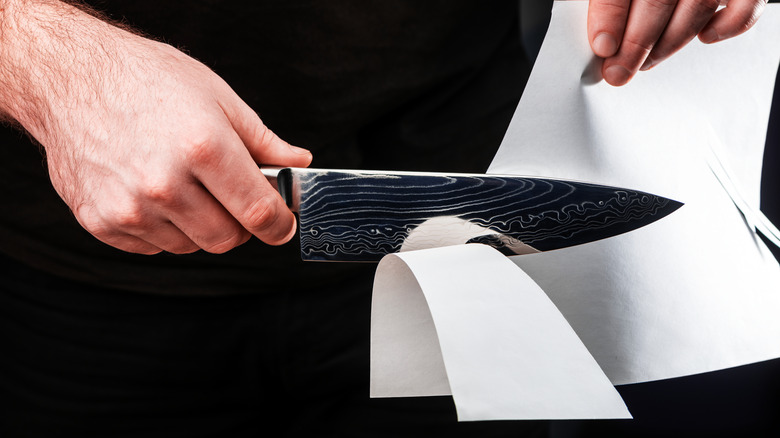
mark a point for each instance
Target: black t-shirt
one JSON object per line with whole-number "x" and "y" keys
{"x": 405, "y": 85}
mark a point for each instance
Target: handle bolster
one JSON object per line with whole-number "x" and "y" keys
{"x": 282, "y": 180}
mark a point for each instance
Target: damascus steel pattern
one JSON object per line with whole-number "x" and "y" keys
{"x": 362, "y": 216}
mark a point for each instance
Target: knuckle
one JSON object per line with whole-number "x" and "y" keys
{"x": 635, "y": 45}
{"x": 129, "y": 216}
{"x": 750, "y": 18}
{"x": 138, "y": 248}
{"x": 607, "y": 15}
{"x": 661, "y": 5}
{"x": 706, "y": 6}
{"x": 745, "y": 26}
{"x": 264, "y": 135}
{"x": 227, "y": 243}
{"x": 611, "y": 6}
{"x": 182, "y": 247}
{"x": 260, "y": 215}
{"x": 107, "y": 233}
{"x": 161, "y": 192}
{"x": 202, "y": 151}
{"x": 91, "y": 221}
{"x": 256, "y": 129}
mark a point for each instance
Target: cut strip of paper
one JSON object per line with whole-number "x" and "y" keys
{"x": 466, "y": 320}
{"x": 754, "y": 218}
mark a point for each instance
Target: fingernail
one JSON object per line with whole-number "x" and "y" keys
{"x": 708, "y": 36}
{"x": 649, "y": 63}
{"x": 616, "y": 75}
{"x": 604, "y": 45}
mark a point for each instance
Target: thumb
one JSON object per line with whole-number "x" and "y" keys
{"x": 263, "y": 144}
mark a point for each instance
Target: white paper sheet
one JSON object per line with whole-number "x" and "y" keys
{"x": 465, "y": 320}
{"x": 696, "y": 291}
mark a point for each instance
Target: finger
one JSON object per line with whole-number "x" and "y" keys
{"x": 92, "y": 221}
{"x": 606, "y": 24}
{"x": 229, "y": 173}
{"x": 263, "y": 144}
{"x": 131, "y": 244}
{"x": 205, "y": 221}
{"x": 737, "y": 17}
{"x": 647, "y": 20}
{"x": 167, "y": 237}
{"x": 141, "y": 218}
{"x": 127, "y": 220}
{"x": 688, "y": 19}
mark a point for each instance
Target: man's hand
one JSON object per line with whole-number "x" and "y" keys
{"x": 150, "y": 149}
{"x": 633, "y": 35}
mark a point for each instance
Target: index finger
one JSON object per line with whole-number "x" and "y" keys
{"x": 647, "y": 20}
{"x": 229, "y": 173}
{"x": 606, "y": 24}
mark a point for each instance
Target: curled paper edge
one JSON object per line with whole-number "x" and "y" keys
{"x": 506, "y": 352}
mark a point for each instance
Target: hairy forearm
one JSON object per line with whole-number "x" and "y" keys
{"x": 53, "y": 57}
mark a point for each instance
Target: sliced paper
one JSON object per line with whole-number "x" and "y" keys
{"x": 465, "y": 320}
{"x": 752, "y": 215}
{"x": 696, "y": 291}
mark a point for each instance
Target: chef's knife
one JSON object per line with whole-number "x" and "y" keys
{"x": 360, "y": 215}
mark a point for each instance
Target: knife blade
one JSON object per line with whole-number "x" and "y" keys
{"x": 362, "y": 215}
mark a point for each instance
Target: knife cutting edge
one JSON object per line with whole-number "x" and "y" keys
{"x": 362, "y": 215}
